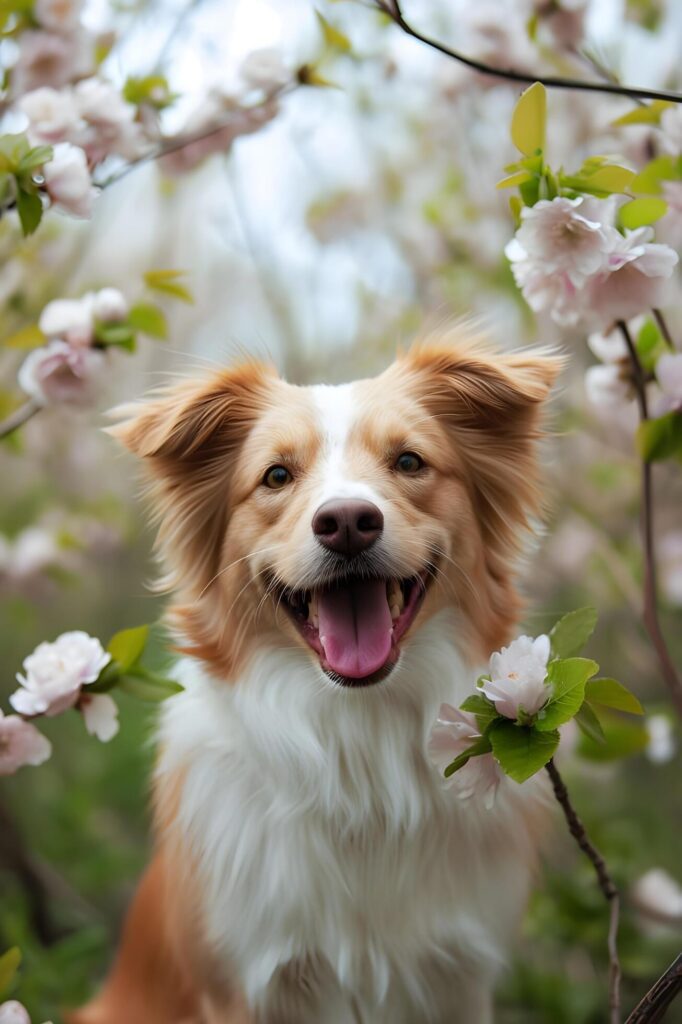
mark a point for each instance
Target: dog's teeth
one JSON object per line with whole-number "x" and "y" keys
{"x": 312, "y": 610}
{"x": 315, "y": 621}
{"x": 395, "y": 611}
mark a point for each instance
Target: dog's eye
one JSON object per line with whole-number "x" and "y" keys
{"x": 409, "y": 463}
{"x": 276, "y": 477}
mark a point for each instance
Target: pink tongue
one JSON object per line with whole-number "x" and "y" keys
{"x": 355, "y": 628}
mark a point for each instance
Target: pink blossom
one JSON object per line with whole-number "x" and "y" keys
{"x": 110, "y": 125}
{"x": 100, "y": 715}
{"x": 564, "y": 20}
{"x": 58, "y": 15}
{"x": 49, "y": 58}
{"x": 55, "y": 673}
{"x": 669, "y": 377}
{"x": 62, "y": 373}
{"x": 633, "y": 279}
{"x": 454, "y": 732}
{"x": 563, "y": 237}
{"x": 517, "y": 677}
{"x": 20, "y": 744}
{"x": 68, "y": 182}
{"x": 69, "y": 319}
{"x": 51, "y": 113}
{"x": 219, "y": 122}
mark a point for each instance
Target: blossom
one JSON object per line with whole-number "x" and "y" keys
{"x": 69, "y": 319}
{"x": 670, "y": 566}
{"x": 55, "y": 673}
{"x": 265, "y": 69}
{"x": 110, "y": 305}
{"x": 671, "y": 126}
{"x": 13, "y": 1012}
{"x": 20, "y": 744}
{"x": 562, "y": 236}
{"x": 58, "y": 15}
{"x": 61, "y": 373}
{"x": 669, "y": 377}
{"x": 67, "y": 180}
{"x": 51, "y": 58}
{"x": 100, "y": 715}
{"x": 608, "y": 385}
{"x": 454, "y": 732}
{"x": 633, "y": 279}
{"x": 661, "y": 747}
{"x": 110, "y": 121}
{"x": 517, "y": 677}
{"x": 565, "y": 20}
{"x": 34, "y": 550}
{"x": 658, "y": 895}
{"x": 51, "y": 113}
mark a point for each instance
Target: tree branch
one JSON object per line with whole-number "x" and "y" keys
{"x": 20, "y": 416}
{"x": 653, "y": 1006}
{"x": 664, "y": 329}
{"x": 606, "y": 884}
{"x": 650, "y": 612}
{"x": 393, "y": 9}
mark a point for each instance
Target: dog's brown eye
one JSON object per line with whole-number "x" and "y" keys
{"x": 276, "y": 477}
{"x": 409, "y": 463}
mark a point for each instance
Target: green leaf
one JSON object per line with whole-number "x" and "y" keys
{"x": 483, "y": 708}
{"x": 514, "y": 179}
{"x": 516, "y": 205}
{"x": 148, "y": 319}
{"x": 567, "y": 679}
{"x": 334, "y": 39}
{"x": 587, "y": 721}
{"x": 660, "y": 438}
{"x": 167, "y": 281}
{"x": 612, "y": 694}
{"x": 649, "y": 114}
{"x": 120, "y": 335}
{"x": 35, "y": 157}
{"x": 649, "y": 344}
{"x": 127, "y": 646}
{"x": 481, "y": 746}
{"x": 148, "y": 686}
{"x": 30, "y": 336}
{"x": 521, "y": 751}
{"x": 622, "y": 738}
{"x": 9, "y": 965}
{"x": 610, "y": 178}
{"x": 569, "y": 635}
{"x": 662, "y": 168}
{"x": 150, "y": 89}
{"x": 30, "y": 210}
{"x": 640, "y": 212}
{"x": 529, "y": 120}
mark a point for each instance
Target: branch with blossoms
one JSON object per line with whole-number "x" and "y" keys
{"x": 584, "y": 254}
{"x": 510, "y": 727}
{"x": 75, "y": 671}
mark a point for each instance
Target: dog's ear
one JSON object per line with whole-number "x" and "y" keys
{"x": 492, "y": 405}
{"x": 188, "y": 436}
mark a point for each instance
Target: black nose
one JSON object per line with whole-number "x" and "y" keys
{"x": 348, "y": 526}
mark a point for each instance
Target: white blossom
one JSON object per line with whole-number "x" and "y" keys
{"x": 562, "y": 236}
{"x": 662, "y": 746}
{"x": 69, "y": 319}
{"x": 633, "y": 279}
{"x": 67, "y": 180}
{"x": 51, "y": 58}
{"x": 110, "y": 305}
{"x": 671, "y": 126}
{"x": 454, "y": 732}
{"x": 658, "y": 895}
{"x": 51, "y": 113}
{"x": 62, "y": 373}
{"x": 20, "y": 744}
{"x": 58, "y": 15}
{"x": 517, "y": 677}
{"x": 670, "y": 566}
{"x": 669, "y": 377}
{"x": 608, "y": 385}
{"x": 110, "y": 121}
{"x": 265, "y": 69}
{"x": 100, "y": 715}
{"x": 55, "y": 672}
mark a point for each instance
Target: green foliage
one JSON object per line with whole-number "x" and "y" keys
{"x": 126, "y": 673}
{"x": 334, "y": 39}
{"x": 660, "y": 438}
{"x": 609, "y": 693}
{"x": 529, "y": 120}
{"x": 18, "y": 162}
{"x": 149, "y": 319}
{"x": 149, "y": 686}
{"x": 480, "y": 746}
{"x": 622, "y": 737}
{"x": 483, "y": 708}
{"x": 567, "y": 678}
{"x": 588, "y": 723}
{"x": 168, "y": 282}
{"x": 127, "y": 646}
{"x": 650, "y": 113}
{"x": 570, "y": 634}
{"x": 120, "y": 335}
{"x": 30, "y": 336}
{"x": 151, "y": 90}
{"x": 650, "y": 345}
{"x": 640, "y": 212}
{"x": 649, "y": 180}
{"x": 9, "y": 965}
{"x": 521, "y": 751}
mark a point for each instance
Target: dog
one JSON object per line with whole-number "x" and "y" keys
{"x": 342, "y": 560}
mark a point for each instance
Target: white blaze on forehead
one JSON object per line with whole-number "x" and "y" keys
{"x": 338, "y": 409}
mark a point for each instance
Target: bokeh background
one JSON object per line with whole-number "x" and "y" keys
{"x": 361, "y": 213}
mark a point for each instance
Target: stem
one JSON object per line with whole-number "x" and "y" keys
{"x": 650, "y": 612}
{"x": 20, "y": 416}
{"x": 606, "y": 884}
{"x": 664, "y": 329}
{"x": 653, "y": 1006}
{"x": 393, "y": 10}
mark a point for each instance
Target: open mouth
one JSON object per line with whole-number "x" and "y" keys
{"x": 355, "y": 624}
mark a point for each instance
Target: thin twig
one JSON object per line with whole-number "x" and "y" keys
{"x": 664, "y": 329}
{"x": 19, "y": 417}
{"x": 652, "y": 1008}
{"x": 393, "y": 10}
{"x": 606, "y": 884}
{"x": 650, "y": 612}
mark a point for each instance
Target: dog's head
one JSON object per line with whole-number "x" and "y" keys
{"x": 340, "y": 519}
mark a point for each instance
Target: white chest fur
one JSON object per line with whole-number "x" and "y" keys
{"x": 326, "y": 840}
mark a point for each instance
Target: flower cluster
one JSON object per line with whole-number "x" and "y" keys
{"x": 13, "y": 1012}
{"x": 570, "y": 260}
{"x": 69, "y": 367}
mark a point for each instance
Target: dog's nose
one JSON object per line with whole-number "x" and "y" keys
{"x": 348, "y": 526}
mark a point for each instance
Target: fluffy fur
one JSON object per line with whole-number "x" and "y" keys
{"x": 310, "y": 865}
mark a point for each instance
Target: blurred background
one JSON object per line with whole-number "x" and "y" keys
{"x": 361, "y": 213}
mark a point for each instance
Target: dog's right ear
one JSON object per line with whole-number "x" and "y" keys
{"x": 188, "y": 436}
